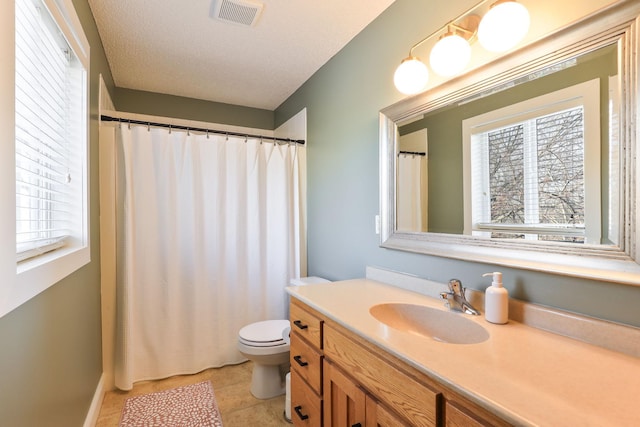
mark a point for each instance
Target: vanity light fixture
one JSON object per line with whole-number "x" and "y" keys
{"x": 411, "y": 76}
{"x": 452, "y": 52}
{"x": 502, "y": 27}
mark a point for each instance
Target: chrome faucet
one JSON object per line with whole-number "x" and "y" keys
{"x": 456, "y": 300}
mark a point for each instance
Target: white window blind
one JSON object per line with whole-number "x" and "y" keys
{"x": 533, "y": 174}
{"x": 534, "y": 168}
{"x": 50, "y": 133}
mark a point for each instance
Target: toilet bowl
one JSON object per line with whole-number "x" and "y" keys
{"x": 266, "y": 344}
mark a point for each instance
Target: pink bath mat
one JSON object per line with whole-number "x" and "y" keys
{"x": 188, "y": 406}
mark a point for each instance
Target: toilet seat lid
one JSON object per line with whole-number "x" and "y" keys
{"x": 265, "y": 333}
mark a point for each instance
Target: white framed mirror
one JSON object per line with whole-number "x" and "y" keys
{"x": 450, "y": 207}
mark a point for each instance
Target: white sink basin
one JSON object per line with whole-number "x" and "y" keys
{"x": 443, "y": 326}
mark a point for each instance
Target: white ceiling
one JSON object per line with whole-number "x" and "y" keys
{"x": 174, "y": 47}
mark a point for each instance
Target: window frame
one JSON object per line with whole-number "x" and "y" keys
{"x": 586, "y": 94}
{"x": 19, "y": 282}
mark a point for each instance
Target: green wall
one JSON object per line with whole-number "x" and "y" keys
{"x": 156, "y": 104}
{"x": 50, "y": 351}
{"x": 343, "y": 100}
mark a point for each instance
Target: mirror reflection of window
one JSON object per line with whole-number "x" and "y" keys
{"x": 412, "y": 185}
{"x": 535, "y": 168}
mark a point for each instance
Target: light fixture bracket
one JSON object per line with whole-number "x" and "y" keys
{"x": 467, "y": 28}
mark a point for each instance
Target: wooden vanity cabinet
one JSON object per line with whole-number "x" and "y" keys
{"x": 347, "y": 404}
{"x": 393, "y": 388}
{"x": 344, "y": 400}
{"x": 306, "y": 366}
{"x": 357, "y": 384}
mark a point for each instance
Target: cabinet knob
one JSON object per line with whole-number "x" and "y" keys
{"x": 299, "y": 324}
{"x": 298, "y": 359}
{"x": 298, "y": 410}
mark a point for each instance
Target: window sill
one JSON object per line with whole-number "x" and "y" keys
{"x": 33, "y": 276}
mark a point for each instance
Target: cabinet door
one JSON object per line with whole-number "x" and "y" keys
{"x": 379, "y": 416}
{"x": 411, "y": 399}
{"x": 344, "y": 401}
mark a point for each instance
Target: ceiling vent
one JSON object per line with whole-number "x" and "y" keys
{"x": 239, "y": 12}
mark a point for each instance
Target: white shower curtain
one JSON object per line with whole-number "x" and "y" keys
{"x": 409, "y": 193}
{"x": 209, "y": 238}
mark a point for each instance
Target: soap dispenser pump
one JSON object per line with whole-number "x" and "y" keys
{"x": 496, "y": 300}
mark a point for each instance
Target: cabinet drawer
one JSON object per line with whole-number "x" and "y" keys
{"x": 458, "y": 418}
{"x": 306, "y": 325}
{"x": 414, "y": 401}
{"x": 306, "y": 406}
{"x": 307, "y": 362}
{"x": 466, "y": 414}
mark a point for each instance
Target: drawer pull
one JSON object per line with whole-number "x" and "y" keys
{"x": 357, "y": 425}
{"x": 299, "y": 324}
{"x": 298, "y": 410}
{"x": 300, "y": 362}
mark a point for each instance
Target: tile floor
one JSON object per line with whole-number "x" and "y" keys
{"x": 231, "y": 386}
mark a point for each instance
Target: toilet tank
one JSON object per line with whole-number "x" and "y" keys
{"x": 307, "y": 281}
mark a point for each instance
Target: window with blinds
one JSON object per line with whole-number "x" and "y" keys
{"x": 536, "y": 177}
{"x": 529, "y": 167}
{"x": 50, "y": 131}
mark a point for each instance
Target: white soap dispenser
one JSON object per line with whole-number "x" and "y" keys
{"x": 496, "y": 300}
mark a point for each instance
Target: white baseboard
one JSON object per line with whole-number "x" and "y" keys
{"x": 96, "y": 403}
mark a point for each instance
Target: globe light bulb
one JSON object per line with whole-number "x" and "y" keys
{"x": 411, "y": 76}
{"x": 450, "y": 55}
{"x": 503, "y": 26}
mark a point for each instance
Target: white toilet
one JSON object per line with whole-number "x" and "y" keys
{"x": 266, "y": 344}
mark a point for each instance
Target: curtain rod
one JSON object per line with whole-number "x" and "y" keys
{"x": 414, "y": 153}
{"x": 105, "y": 118}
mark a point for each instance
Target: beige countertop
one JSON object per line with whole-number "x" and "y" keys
{"x": 523, "y": 374}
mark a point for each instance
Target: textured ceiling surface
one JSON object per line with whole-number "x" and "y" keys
{"x": 174, "y": 47}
